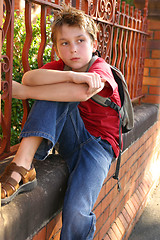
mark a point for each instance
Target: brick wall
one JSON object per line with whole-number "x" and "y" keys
{"x": 117, "y": 212}
{"x": 151, "y": 80}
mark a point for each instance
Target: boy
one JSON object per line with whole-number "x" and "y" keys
{"x": 87, "y": 133}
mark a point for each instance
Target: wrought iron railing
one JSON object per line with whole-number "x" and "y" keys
{"x": 121, "y": 42}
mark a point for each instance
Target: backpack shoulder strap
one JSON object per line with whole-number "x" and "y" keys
{"x": 93, "y": 59}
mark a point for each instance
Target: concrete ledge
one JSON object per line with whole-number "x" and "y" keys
{"x": 145, "y": 115}
{"x": 29, "y": 212}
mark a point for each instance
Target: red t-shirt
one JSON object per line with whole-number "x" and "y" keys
{"x": 99, "y": 121}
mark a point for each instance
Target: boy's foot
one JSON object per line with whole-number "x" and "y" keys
{"x": 10, "y": 188}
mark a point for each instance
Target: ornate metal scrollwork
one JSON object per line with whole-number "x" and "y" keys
{"x": 105, "y": 10}
{"x": 92, "y": 7}
{"x": 4, "y": 87}
{"x": 6, "y": 63}
{"x": 104, "y": 37}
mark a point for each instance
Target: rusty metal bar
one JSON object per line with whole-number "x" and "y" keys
{"x": 7, "y": 66}
{"x": 43, "y": 36}
{"x": 1, "y": 22}
{"x": 46, "y": 3}
{"x": 25, "y": 52}
{"x": 133, "y": 73}
{"x": 126, "y": 21}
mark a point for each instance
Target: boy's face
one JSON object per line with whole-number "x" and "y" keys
{"x": 75, "y": 47}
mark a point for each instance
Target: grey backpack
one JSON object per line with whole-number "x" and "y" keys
{"x": 125, "y": 112}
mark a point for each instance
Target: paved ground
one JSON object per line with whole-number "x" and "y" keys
{"x": 148, "y": 226}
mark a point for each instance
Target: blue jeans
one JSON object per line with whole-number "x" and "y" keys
{"x": 88, "y": 159}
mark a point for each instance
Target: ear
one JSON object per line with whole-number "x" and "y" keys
{"x": 94, "y": 46}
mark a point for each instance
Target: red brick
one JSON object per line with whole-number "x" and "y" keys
{"x": 157, "y": 35}
{"x": 146, "y": 72}
{"x": 100, "y": 222}
{"x": 132, "y": 207}
{"x": 129, "y": 211}
{"x": 151, "y": 99}
{"x": 50, "y": 228}
{"x": 148, "y": 181}
{"x": 100, "y": 196}
{"x": 120, "y": 205}
{"x": 40, "y": 235}
{"x": 135, "y": 201}
{"x": 153, "y": 24}
{"x": 96, "y": 237}
{"x": 141, "y": 191}
{"x": 140, "y": 197}
{"x": 112, "y": 234}
{"x": 116, "y": 231}
{"x": 120, "y": 226}
{"x": 106, "y": 237}
{"x": 152, "y": 63}
{"x": 123, "y": 220}
{"x": 126, "y": 216}
{"x": 112, "y": 217}
{"x": 148, "y": 52}
{"x": 155, "y": 72}
{"x": 104, "y": 229}
{"x": 145, "y": 188}
{"x": 153, "y": 44}
{"x": 155, "y": 53}
{"x": 54, "y": 225}
{"x": 154, "y": 90}
{"x": 106, "y": 201}
{"x": 112, "y": 169}
{"x": 98, "y": 210}
{"x": 113, "y": 205}
{"x": 57, "y": 236}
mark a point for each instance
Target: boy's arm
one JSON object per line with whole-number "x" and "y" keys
{"x": 62, "y": 92}
{"x": 40, "y": 77}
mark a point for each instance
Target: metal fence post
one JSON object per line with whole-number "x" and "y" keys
{"x": 1, "y": 16}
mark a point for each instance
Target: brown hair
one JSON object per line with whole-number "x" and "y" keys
{"x": 73, "y": 17}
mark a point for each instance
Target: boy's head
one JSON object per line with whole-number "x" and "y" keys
{"x": 73, "y": 17}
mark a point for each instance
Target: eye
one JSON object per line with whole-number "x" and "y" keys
{"x": 64, "y": 43}
{"x": 80, "y": 40}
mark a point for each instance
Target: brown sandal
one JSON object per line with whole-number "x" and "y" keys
{"x": 10, "y": 188}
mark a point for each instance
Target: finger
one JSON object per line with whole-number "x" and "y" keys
{"x": 103, "y": 80}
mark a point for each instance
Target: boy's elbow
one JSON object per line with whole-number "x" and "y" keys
{"x": 80, "y": 93}
{"x": 85, "y": 97}
{"x": 26, "y": 80}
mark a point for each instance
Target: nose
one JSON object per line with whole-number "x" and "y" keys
{"x": 73, "y": 47}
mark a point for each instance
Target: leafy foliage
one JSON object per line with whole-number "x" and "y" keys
{"x": 130, "y": 2}
{"x": 18, "y": 71}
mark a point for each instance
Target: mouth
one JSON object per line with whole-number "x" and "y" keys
{"x": 75, "y": 59}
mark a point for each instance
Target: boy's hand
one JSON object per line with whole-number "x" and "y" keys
{"x": 93, "y": 80}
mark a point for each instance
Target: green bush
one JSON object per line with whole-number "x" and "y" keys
{"x": 19, "y": 39}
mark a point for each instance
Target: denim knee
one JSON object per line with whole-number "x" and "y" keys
{"x": 77, "y": 224}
